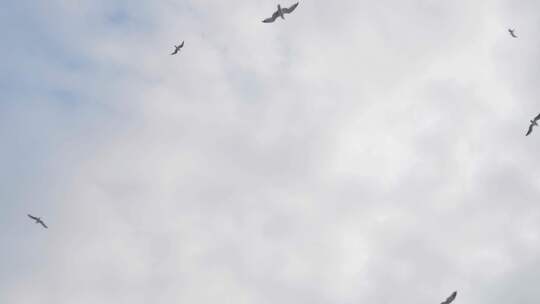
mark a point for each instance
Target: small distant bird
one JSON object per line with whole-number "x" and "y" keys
{"x": 38, "y": 220}
{"x": 511, "y": 31}
{"x": 281, "y": 11}
{"x": 533, "y": 123}
{"x": 177, "y": 48}
{"x": 451, "y": 298}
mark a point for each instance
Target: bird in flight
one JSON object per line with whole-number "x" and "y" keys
{"x": 533, "y": 123}
{"x": 177, "y": 48}
{"x": 281, "y": 11}
{"x": 38, "y": 220}
{"x": 511, "y": 31}
{"x": 451, "y": 298}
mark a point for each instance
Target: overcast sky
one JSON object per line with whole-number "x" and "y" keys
{"x": 356, "y": 152}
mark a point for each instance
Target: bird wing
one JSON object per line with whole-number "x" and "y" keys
{"x": 273, "y": 18}
{"x": 181, "y": 45}
{"x": 530, "y": 130}
{"x": 43, "y": 224}
{"x": 32, "y": 217}
{"x": 289, "y": 10}
{"x": 175, "y": 51}
{"x": 537, "y": 117}
{"x": 450, "y": 298}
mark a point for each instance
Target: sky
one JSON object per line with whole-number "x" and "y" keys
{"x": 356, "y": 152}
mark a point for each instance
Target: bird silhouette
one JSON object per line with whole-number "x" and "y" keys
{"x": 451, "y": 298}
{"x": 177, "y": 48}
{"x": 281, "y": 11}
{"x": 512, "y": 33}
{"x": 533, "y": 123}
{"x": 38, "y": 220}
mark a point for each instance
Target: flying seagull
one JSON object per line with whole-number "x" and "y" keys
{"x": 281, "y": 11}
{"x": 533, "y": 123}
{"x": 177, "y": 48}
{"x": 511, "y": 31}
{"x": 38, "y": 220}
{"x": 451, "y": 298}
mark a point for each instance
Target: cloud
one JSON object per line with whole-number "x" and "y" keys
{"x": 355, "y": 152}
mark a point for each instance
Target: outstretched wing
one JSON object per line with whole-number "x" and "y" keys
{"x": 530, "y": 130}
{"x": 537, "y": 117}
{"x": 32, "y": 217}
{"x": 43, "y": 224}
{"x": 181, "y": 45}
{"x": 175, "y": 51}
{"x": 290, "y": 9}
{"x": 451, "y": 298}
{"x": 273, "y": 18}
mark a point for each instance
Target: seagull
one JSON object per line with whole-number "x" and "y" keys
{"x": 511, "y": 31}
{"x": 281, "y": 11}
{"x": 533, "y": 123}
{"x": 38, "y": 220}
{"x": 177, "y": 48}
{"x": 451, "y": 298}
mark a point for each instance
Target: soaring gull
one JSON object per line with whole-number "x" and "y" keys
{"x": 451, "y": 298}
{"x": 177, "y": 48}
{"x": 38, "y": 220}
{"x": 511, "y": 31}
{"x": 281, "y": 11}
{"x": 533, "y": 123}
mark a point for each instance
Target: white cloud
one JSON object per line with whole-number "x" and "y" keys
{"x": 355, "y": 152}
